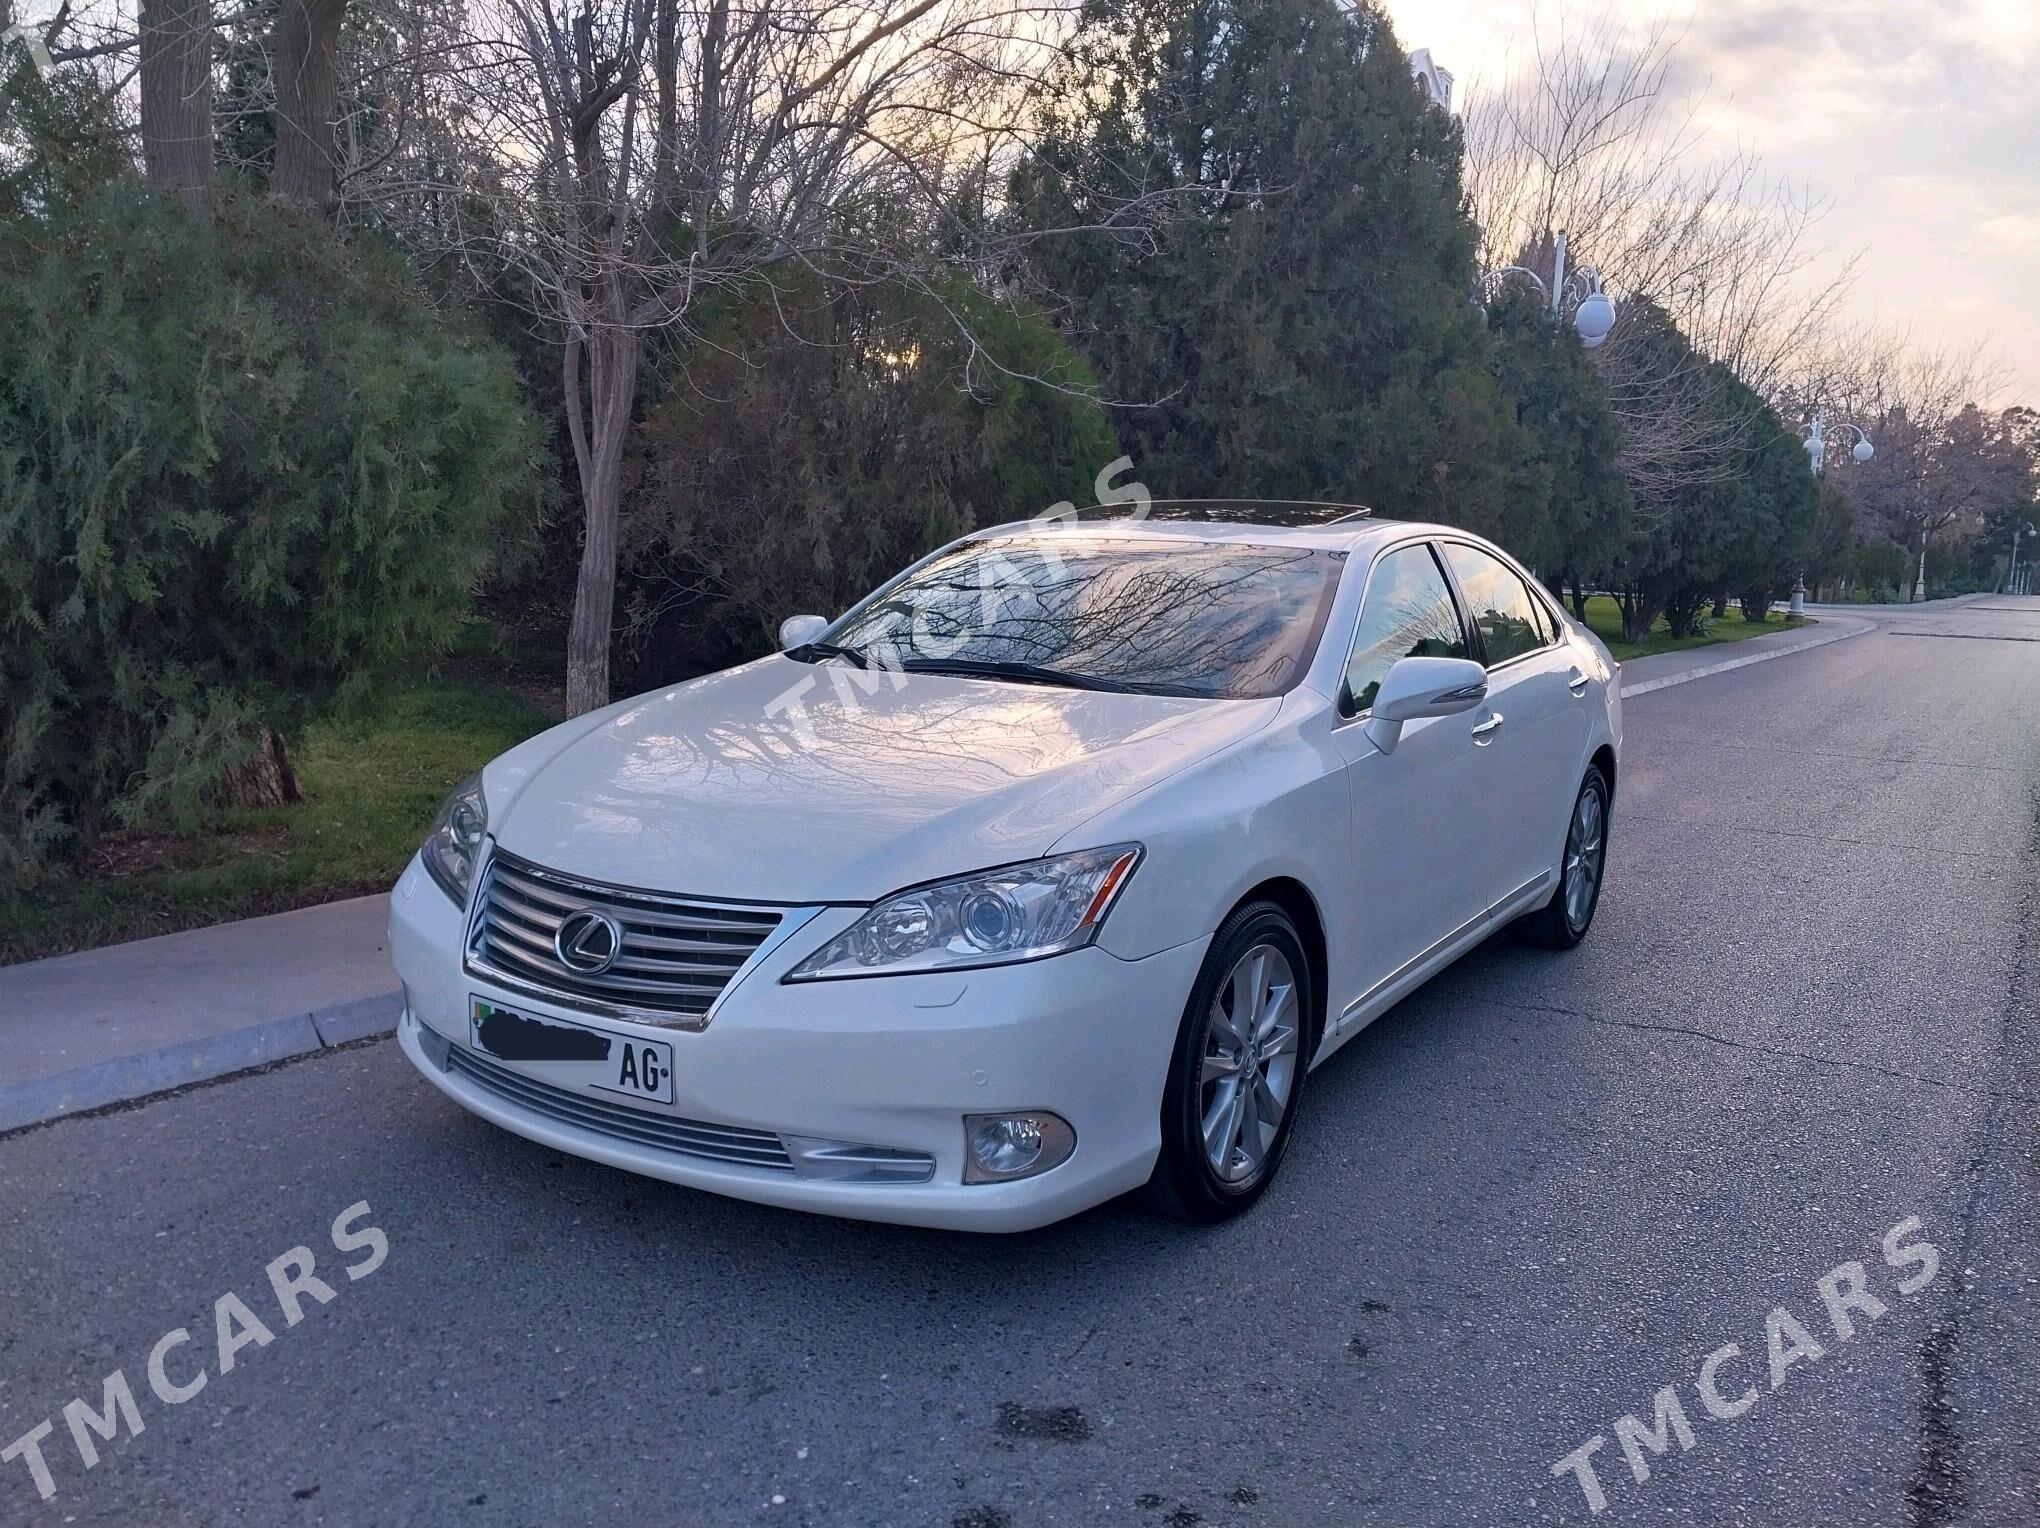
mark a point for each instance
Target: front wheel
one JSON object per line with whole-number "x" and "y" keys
{"x": 1237, "y": 1073}
{"x": 1563, "y": 922}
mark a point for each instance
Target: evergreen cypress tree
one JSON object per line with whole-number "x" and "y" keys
{"x": 1299, "y": 314}
{"x": 1570, "y": 521}
{"x": 242, "y": 466}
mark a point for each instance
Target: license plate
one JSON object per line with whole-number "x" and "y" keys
{"x": 573, "y": 1053}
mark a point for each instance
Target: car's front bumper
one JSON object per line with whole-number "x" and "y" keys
{"x": 892, "y": 1062}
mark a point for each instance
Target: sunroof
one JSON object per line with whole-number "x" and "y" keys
{"x": 1287, "y": 513}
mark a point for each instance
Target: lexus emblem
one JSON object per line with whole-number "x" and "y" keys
{"x": 588, "y": 941}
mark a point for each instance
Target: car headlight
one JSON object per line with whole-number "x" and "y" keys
{"x": 1021, "y": 912}
{"x": 455, "y": 842}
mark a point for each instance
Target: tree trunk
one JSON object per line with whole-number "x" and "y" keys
{"x": 1682, "y": 611}
{"x": 1720, "y": 604}
{"x": 598, "y": 420}
{"x": 267, "y": 778}
{"x": 176, "y": 99}
{"x": 1639, "y": 614}
{"x": 307, "y": 53}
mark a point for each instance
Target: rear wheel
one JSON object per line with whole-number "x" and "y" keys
{"x": 1563, "y": 921}
{"x": 1237, "y": 1073}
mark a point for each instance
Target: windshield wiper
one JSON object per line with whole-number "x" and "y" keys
{"x": 811, "y": 652}
{"x": 1022, "y": 673}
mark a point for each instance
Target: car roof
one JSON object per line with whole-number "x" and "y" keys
{"x": 1264, "y": 522}
{"x": 1286, "y": 513}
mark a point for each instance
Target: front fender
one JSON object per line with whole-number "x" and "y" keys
{"x": 1273, "y": 805}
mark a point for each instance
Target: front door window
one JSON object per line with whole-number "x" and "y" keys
{"x": 1408, "y": 614}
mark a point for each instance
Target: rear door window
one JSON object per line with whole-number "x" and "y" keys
{"x": 1511, "y": 621}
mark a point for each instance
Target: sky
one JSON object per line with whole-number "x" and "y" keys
{"x": 1919, "y": 119}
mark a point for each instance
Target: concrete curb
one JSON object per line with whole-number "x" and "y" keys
{"x": 1646, "y": 686}
{"x": 127, "y": 1078}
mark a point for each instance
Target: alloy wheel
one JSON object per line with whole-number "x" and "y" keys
{"x": 1247, "y": 1073}
{"x": 1585, "y": 845}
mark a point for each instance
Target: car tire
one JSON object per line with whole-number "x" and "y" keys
{"x": 1219, "y": 1152}
{"x": 1563, "y": 921}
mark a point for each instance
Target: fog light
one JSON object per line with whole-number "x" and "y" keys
{"x": 1006, "y": 1146}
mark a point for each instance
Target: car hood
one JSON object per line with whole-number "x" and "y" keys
{"x": 746, "y": 785}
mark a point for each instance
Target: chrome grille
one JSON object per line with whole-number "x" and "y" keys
{"x": 690, "y": 1138}
{"x": 676, "y": 953}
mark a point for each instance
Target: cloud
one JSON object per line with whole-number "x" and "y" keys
{"x": 1793, "y": 78}
{"x": 2015, "y": 231}
{"x": 1919, "y": 119}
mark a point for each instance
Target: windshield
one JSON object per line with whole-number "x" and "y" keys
{"x": 1208, "y": 619}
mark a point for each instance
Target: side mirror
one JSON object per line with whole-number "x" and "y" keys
{"x": 799, "y": 630}
{"x": 1419, "y": 687}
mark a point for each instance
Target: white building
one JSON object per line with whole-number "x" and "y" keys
{"x": 1437, "y": 82}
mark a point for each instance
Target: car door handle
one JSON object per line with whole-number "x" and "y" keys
{"x": 1578, "y": 683}
{"x": 1483, "y": 732}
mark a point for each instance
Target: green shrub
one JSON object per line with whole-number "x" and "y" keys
{"x": 241, "y": 467}
{"x": 818, "y": 440}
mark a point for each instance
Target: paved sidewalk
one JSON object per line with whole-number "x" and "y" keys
{"x": 102, "y": 1026}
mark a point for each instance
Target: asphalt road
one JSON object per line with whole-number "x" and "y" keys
{"x": 1516, "y": 1208}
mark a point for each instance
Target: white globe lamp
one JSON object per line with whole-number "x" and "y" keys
{"x": 1594, "y": 318}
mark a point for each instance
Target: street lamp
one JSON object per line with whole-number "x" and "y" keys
{"x": 2012, "y": 573}
{"x": 1593, "y": 313}
{"x": 1816, "y": 441}
{"x": 1816, "y": 444}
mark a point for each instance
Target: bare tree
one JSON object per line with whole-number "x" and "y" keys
{"x": 1593, "y": 139}
{"x": 100, "y": 43}
{"x": 623, "y": 164}
{"x": 1940, "y": 461}
{"x": 632, "y": 161}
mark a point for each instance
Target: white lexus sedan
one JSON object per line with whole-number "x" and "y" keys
{"x": 1045, "y": 873}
